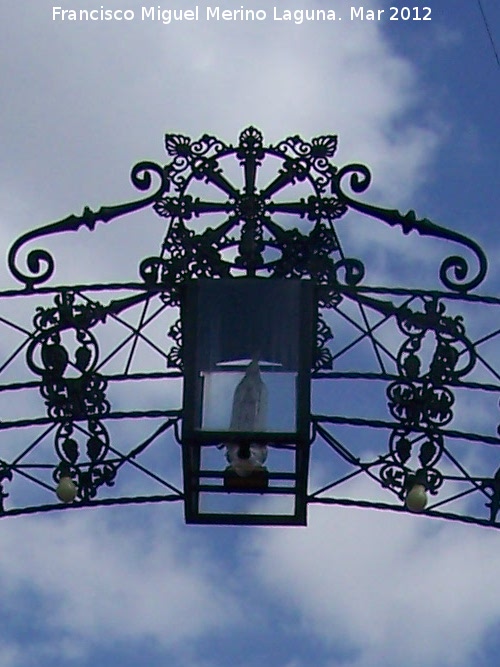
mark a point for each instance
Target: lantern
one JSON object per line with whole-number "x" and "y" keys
{"x": 247, "y": 346}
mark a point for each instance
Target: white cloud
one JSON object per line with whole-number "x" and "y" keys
{"x": 387, "y": 589}
{"x": 148, "y": 78}
{"x": 102, "y": 577}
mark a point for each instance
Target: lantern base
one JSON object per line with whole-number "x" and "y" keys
{"x": 257, "y": 481}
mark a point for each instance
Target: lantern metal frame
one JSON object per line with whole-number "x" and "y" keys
{"x": 201, "y": 480}
{"x": 261, "y": 226}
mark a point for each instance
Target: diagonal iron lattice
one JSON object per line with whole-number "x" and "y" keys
{"x": 406, "y": 378}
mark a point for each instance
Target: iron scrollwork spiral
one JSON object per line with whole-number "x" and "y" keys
{"x": 454, "y": 272}
{"x": 41, "y": 264}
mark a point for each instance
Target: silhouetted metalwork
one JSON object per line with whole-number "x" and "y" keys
{"x": 257, "y": 211}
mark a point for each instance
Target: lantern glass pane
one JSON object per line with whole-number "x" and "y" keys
{"x": 247, "y": 355}
{"x": 219, "y": 395}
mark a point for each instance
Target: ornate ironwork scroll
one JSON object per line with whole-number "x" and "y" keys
{"x": 274, "y": 211}
{"x": 420, "y": 401}
{"x": 64, "y": 352}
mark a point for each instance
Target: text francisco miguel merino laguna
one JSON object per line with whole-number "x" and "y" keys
{"x": 167, "y": 16}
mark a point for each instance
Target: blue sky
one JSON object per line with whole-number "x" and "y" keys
{"x": 81, "y": 104}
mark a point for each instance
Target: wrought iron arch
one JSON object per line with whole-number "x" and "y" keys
{"x": 253, "y": 210}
